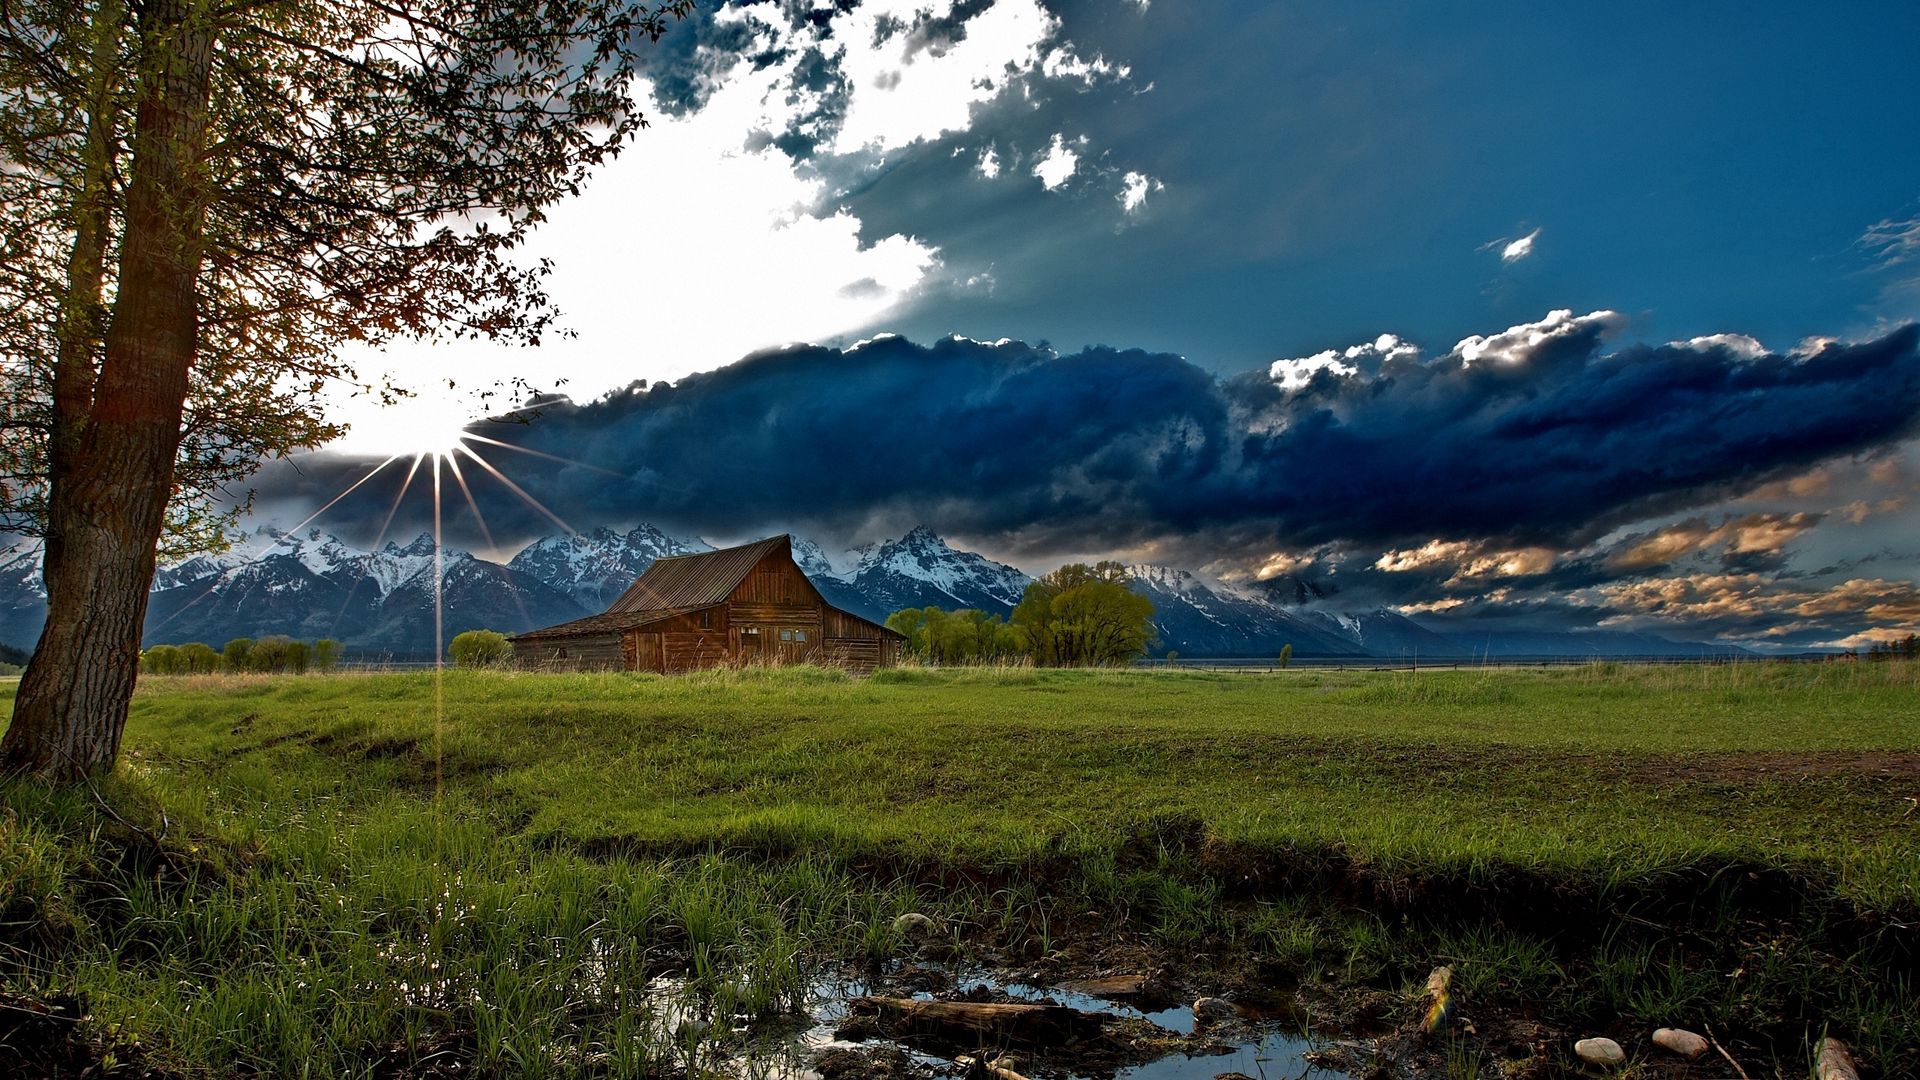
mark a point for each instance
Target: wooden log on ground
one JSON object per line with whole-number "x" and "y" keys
{"x": 1111, "y": 986}
{"x": 974, "y": 1023}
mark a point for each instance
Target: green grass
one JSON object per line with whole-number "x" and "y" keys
{"x": 328, "y": 873}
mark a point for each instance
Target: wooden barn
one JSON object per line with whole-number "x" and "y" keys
{"x": 750, "y": 604}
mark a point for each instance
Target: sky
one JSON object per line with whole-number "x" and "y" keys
{"x": 1504, "y": 312}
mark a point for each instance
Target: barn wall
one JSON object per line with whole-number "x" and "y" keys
{"x": 579, "y": 652}
{"x": 777, "y": 580}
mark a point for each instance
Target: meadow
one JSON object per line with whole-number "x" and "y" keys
{"x": 385, "y": 874}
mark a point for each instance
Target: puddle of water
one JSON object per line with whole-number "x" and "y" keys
{"x": 785, "y": 1050}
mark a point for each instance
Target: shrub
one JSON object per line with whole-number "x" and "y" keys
{"x": 198, "y": 658}
{"x": 162, "y": 660}
{"x": 275, "y": 652}
{"x": 480, "y": 648}
{"x": 326, "y": 654}
{"x": 237, "y": 654}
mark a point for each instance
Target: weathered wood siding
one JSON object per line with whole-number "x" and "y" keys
{"x": 581, "y": 652}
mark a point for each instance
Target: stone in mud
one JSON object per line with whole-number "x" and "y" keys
{"x": 883, "y": 1063}
{"x": 1213, "y": 1010}
{"x": 914, "y": 925}
{"x": 1603, "y": 1052}
{"x": 1680, "y": 1041}
{"x": 923, "y": 979}
{"x": 1831, "y": 1061}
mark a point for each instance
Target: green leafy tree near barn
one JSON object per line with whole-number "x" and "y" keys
{"x": 1084, "y": 616}
{"x": 966, "y": 636}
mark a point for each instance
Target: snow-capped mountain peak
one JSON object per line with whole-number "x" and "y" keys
{"x": 922, "y": 569}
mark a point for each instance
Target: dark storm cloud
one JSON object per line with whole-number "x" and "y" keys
{"x": 1551, "y": 441}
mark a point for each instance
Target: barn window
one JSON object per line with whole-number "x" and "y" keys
{"x": 799, "y": 635}
{"x": 706, "y": 619}
{"x": 786, "y": 635}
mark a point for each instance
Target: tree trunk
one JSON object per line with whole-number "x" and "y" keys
{"x": 78, "y": 334}
{"x": 109, "y": 500}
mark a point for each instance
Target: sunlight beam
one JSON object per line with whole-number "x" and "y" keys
{"x": 517, "y": 490}
{"x": 540, "y": 454}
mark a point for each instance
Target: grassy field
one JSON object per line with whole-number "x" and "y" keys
{"x": 349, "y": 875}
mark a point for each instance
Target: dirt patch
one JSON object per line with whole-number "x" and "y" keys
{"x": 1748, "y": 766}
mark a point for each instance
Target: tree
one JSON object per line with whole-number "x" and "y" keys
{"x": 1081, "y": 616}
{"x": 271, "y": 654}
{"x": 203, "y": 202}
{"x": 965, "y": 636}
{"x": 326, "y": 654}
{"x": 237, "y": 655}
{"x": 480, "y": 648}
{"x": 199, "y": 658}
{"x": 1286, "y": 654}
{"x": 162, "y": 660}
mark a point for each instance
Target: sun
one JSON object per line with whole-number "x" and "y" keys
{"x": 410, "y": 426}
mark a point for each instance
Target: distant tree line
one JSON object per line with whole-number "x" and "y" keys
{"x": 1906, "y": 648}
{"x": 1077, "y": 616}
{"x": 273, "y": 654}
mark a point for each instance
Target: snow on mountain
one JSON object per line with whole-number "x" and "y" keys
{"x": 1198, "y": 618}
{"x": 1385, "y": 633}
{"x": 920, "y": 570}
{"x": 313, "y": 584}
{"x": 595, "y": 568}
{"x": 813, "y": 561}
{"x": 23, "y": 595}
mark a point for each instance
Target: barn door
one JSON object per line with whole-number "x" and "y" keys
{"x": 646, "y": 653}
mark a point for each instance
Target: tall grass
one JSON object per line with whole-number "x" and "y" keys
{"x": 633, "y": 875}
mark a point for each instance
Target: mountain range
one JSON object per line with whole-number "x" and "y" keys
{"x": 312, "y": 585}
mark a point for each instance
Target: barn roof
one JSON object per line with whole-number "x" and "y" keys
{"x": 696, "y": 581}
{"x": 608, "y": 622}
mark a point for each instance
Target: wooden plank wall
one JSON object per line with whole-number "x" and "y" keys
{"x": 585, "y": 652}
{"x": 689, "y": 651}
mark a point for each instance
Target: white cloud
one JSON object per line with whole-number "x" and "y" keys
{"x": 903, "y": 93}
{"x": 1133, "y": 194}
{"x": 1058, "y": 165}
{"x": 1518, "y": 249}
{"x": 686, "y": 252}
{"x": 1368, "y": 356}
{"x": 1895, "y": 241}
{"x": 1294, "y": 374}
{"x": 1738, "y": 344}
{"x": 1516, "y": 344}
{"x": 703, "y": 242}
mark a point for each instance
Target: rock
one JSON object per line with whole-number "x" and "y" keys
{"x": 1604, "y": 1052}
{"x": 1439, "y": 1004}
{"x": 1680, "y": 1041}
{"x": 915, "y": 925}
{"x": 1213, "y": 1010}
{"x": 1831, "y": 1061}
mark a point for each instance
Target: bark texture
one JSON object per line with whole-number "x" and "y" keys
{"x": 113, "y": 484}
